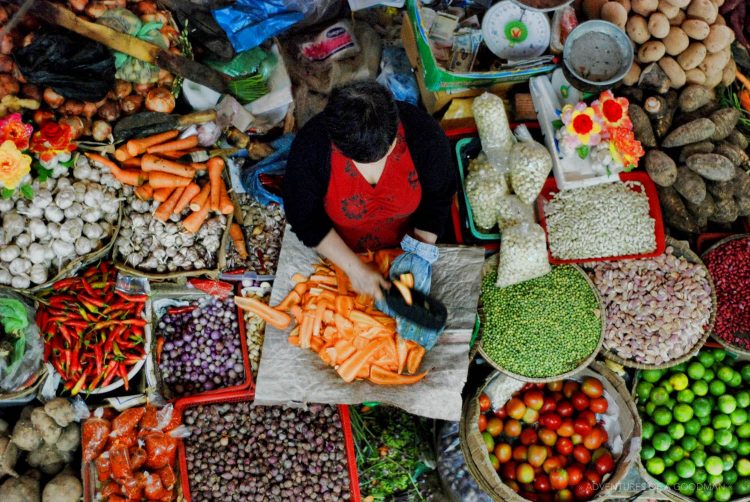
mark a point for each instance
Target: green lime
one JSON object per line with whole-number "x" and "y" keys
{"x": 655, "y": 466}
{"x": 723, "y": 437}
{"x": 689, "y": 443}
{"x": 700, "y": 388}
{"x": 685, "y": 396}
{"x": 695, "y": 370}
{"x": 676, "y": 430}
{"x": 727, "y": 404}
{"x": 700, "y": 475}
{"x": 650, "y": 407}
{"x": 730, "y": 477}
{"x": 643, "y": 390}
{"x": 738, "y": 417}
{"x": 692, "y": 426}
{"x": 670, "y": 403}
{"x": 685, "y": 468}
{"x": 670, "y": 477}
{"x": 745, "y": 371}
{"x": 668, "y": 462}
{"x": 743, "y": 448}
{"x": 724, "y": 374}
{"x": 706, "y": 359}
{"x": 702, "y": 407}
{"x": 686, "y": 488}
{"x": 717, "y": 388}
{"x": 678, "y": 368}
{"x": 666, "y": 386}
{"x": 706, "y": 436}
{"x": 709, "y": 375}
{"x": 652, "y": 376}
{"x": 743, "y": 431}
{"x": 743, "y": 467}
{"x": 676, "y": 453}
{"x": 714, "y": 465}
{"x": 715, "y": 480}
{"x": 659, "y": 396}
{"x": 721, "y": 422}
{"x": 704, "y": 421}
{"x": 661, "y": 441}
{"x": 733, "y": 444}
{"x": 743, "y": 399}
{"x": 489, "y": 441}
{"x": 719, "y": 355}
{"x": 662, "y": 416}
{"x": 723, "y": 493}
{"x": 742, "y": 486}
{"x": 647, "y": 452}
{"x": 714, "y": 449}
{"x": 648, "y": 430}
{"x": 728, "y": 461}
{"x": 679, "y": 381}
{"x": 736, "y": 380}
{"x": 704, "y": 493}
{"x": 682, "y": 412}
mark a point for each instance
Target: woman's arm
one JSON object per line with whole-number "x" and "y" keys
{"x": 364, "y": 278}
{"x": 425, "y": 236}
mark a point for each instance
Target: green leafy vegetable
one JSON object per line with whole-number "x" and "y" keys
{"x": 13, "y": 315}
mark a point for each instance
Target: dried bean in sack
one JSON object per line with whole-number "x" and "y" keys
{"x": 484, "y": 186}
{"x": 494, "y": 131}
{"x": 523, "y": 255}
{"x": 530, "y": 164}
{"x": 511, "y": 211}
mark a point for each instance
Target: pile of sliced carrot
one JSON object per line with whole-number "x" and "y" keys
{"x": 152, "y": 164}
{"x": 344, "y": 328}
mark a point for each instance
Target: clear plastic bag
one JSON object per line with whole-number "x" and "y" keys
{"x": 494, "y": 131}
{"x": 16, "y": 369}
{"x": 523, "y": 255}
{"x": 511, "y": 211}
{"x": 452, "y": 467}
{"x": 484, "y": 186}
{"x": 530, "y": 164}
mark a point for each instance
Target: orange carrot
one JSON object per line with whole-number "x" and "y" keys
{"x": 132, "y": 162}
{"x": 164, "y": 211}
{"x": 215, "y": 168}
{"x": 344, "y": 305}
{"x": 144, "y": 192}
{"x": 414, "y": 358}
{"x": 305, "y": 331}
{"x": 139, "y": 146}
{"x": 200, "y": 199}
{"x": 382, "y": 376}
{"x": 744, "y": 96}
{"x": 291, "y": 299}
{"x": 187, "y": 195}
{"x": 172, "y": 146}
{"x": 297, "y": 278}
{"x": 235, "y": 231}
{"x": 316, "y": 344}
{"x": 360, "y": 317}
{"x": 154, "y": 163}
{"x": 122, "y": 154}
{"x": 743, "y": 79}
{"x": 293, "y": 340}
{"x": 349, "y": 369}
{"x": 162, "y": 194}
{"x": 124, "y": 176}
{"x": 158, "y": 179}
{"x": 226, "y": 206}
{"x": 194, "y": 221}
{"x": 278, "y": 320}
{"x": 344, "y": 350}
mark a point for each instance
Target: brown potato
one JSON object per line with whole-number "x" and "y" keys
{"x": 729, "y": 74}
{"x": 678, "y": 19}
{"x": 695, "y": 76}
{"x": 637, "y": 29}
{"x": 615, "y": 14}
{"x": 719, "y": 37}
{"x": 692, "y": 56}
{"x": 668, "y": 9}
{"x": 674, "y": 71}
{"x": 625, "y": 4}
{"x": 696, "y": 29}
{"x": 644, "y": 7}
{"x": 658, "y": 25}
{"x": 682, "y": 4}
{"x": 715, "y": 63}
{"x": 651, "y": 51}
{"x": 703, "y": 9}
{"x": 676, "y": 41}
{"x": 632, "y": 76}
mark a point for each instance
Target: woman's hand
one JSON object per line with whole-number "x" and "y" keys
{"x": 367, "y": 281}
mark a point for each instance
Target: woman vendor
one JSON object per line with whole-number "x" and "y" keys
{"x": 362, "y": 174}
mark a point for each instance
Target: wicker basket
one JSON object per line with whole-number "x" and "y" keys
{"x": 475, "y": 450}
{"x": 681, "y": 249}
{"x": 733, "y": 348}
{"x": 487, "y": 268}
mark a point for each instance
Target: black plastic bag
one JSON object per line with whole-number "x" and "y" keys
{"x": 73, "y": 66}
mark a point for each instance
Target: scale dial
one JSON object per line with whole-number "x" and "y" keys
{"x": 514, "y": 33}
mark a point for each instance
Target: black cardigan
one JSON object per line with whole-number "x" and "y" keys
{"x": 308, "y": 170}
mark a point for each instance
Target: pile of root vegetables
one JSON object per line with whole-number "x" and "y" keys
{"x": 696, "y": 156}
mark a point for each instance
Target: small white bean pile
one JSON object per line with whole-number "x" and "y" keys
{"x": 254, "y": 325}
{"x": 511, "y": 210}
{"x": 600, "y": 221}
{"x": 657, "y": 309}
{"x": 523, "y": 255}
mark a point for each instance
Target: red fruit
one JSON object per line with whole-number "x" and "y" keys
{"x": 503, "y": 452}
{"x": 593, "y": 476}
{"x": 501, "y": 413}
{"x": 542, "y": 484}
{"x": 595, "y": 439}
{"x": 565, "y": 495}
{"x": 580, "y": 401}
{"x": 588, "y": 416}
{"x": 564, "y": 446}
{"x": 482, "y": 422}
{"x": 566, "y": 428}
{"x": 515, "y": 408}
{"x": 576, "y": 438}
{"x": 598, "y": 453}
{"x": 604, "y": 464}
{"x": 528, "y": 436}
{"x": 494, "y": 426}
{"x": 512, "y": 428}
{"x": 508, "y": 471}
{"x": 558, "y": 396}
{"x": 537, "y": 454}
{"x": 599, "y": 405}
{"x": 484, "y": 403}
{"x": 530, "y": 417}
{"x": 533, "y": 497}
{"x": 581, "y": 454}
{"x": 564, "y": 408}
{"x": 555, "y": 386}
{"x": 584, "y": 490}
{"x": 551, "y": 464}
{"x": 581, "y": 426}
{"x": 520, "y": 453}
{"x": 524, "y": 473}
{"x": 575, "y": 473}
{"x": 570, "y": 387}
{"x": 592, "y": 387}
{"x": 548, "y": 405}
{"x": 534, "y": 399}
{"x": 563, "y": 460}
{"x": 547, "y": 437}
{"x": 550, "y": 421}
{"x": 558, "y": 479}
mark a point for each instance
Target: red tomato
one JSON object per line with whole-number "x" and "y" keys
{"x": 482, "y": 423}
{"x": 566, "y": 428}
{"x": 582, "y": 455}
{"x": 570, "y": 387}
{"x": 515, "y": 408}
{"x": 580, "y": 401}
{"x": 558, "y": 396}
{"x": 525, "y": 387}
{"x": 542, "y": 484}
{"x": 501, "y": 413}
{"x": 547, "y": 437}
{"x": 548, "y": 405}
{"x": 604, "y": 464}
{"x": 537, "y": 454}
{"x": 575, "y": 474}
{"x": 558, "y": 479}
{"x": 555, "y": 386}
{"x": 484, "y": 402}
{"x": 503, "y": 452}
{"x": 494, "y": 426}
{"x": 593, "y": 476}
{"x": 530, "y": 417}
{"x": 512, "y": 428}
{"x": 603, "y": 434}
{"x": 593, "y": 440}
{"x": 576, "y": 438}
{"x": 550, "y": 421}
{"x": 588, "y": 416}
{"x": 508, "y": 471}
{"x": 584, "y": 490}
{"x": 551, "y": 464}
{"x": 599, "y": 405}
{"x": 520, "y": 453}
{"x": 581, "y": 426}
{"x": 528, "y": 436}
{"x": 563, "y": 460}
{"x": 565, "y": 495}
{"x": 533, "y": 399}
{"x": 564, "y": 446}
{"x": 524, "y": 473}
{"x": 533, "y": 497}
{"x": 564, "y": 408}
{"x": 592, "y": 387}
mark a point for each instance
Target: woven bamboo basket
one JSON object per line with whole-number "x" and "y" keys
{"x": 487, "y": 268}
{"x": 682, "y": 249}
{"x": 615, "y": 390}
{"x": 733, "y": 348}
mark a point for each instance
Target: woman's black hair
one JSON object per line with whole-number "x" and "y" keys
{"x": 362, "y": 120}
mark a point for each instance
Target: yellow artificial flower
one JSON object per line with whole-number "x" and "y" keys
{"x": 585, "y": 126}
{"x": 13, "y": 165}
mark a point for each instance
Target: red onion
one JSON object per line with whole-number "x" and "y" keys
{"x": 729, "y": 266}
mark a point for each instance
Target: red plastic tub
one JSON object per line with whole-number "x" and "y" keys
{"x": 708, "y": 239}
{"x": 182, "y": 404}
{"x": 550, "y": 189}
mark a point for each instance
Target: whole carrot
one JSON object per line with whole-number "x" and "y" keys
{"x": 171, "y": 146}
{"x": 194, "y": 221}
{"x": 139, "y": 146}
{"x": 162, "y": 194}
{"x": 187, "y": 195}
{"x": 158, "y": 179}
{"x": 164, "y": 211}
{"x": 215, "y": 168}
{"x": 201, "y": 199}
{"x": 154, "y": 163}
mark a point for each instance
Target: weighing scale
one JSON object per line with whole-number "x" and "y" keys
{"x": 514, "y": 33}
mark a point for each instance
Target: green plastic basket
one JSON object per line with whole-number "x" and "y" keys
{"x": 467, "y": 149}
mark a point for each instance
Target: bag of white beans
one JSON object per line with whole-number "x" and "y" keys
{"x": 494, "y": 130}
{"x": 530, "y": 164}
{"x": 523, "y": 255}
{"x": 511, "y": 211}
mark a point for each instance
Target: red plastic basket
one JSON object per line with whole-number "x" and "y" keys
{"x": 182, "y": 404}
{"x": 708, "y": 239}
{"x": 550, "y": 189}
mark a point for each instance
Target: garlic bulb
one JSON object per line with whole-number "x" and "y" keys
{"x": 54, "y": 213}
{"x": 93, "y": 197}
{"x": 82, "y": 170}
{"x": 13, "y": 224}
{"x": 10, "y": 253}
{"x": 37, "y": 253}
{"x": 23, "y": 241}
{"x": 74, "y": 211}
{"x": 53, "y": 229}
{"x": 20, "y": 281}
{"x": 42, "y": 198}
{"x": 5, "y": 205}
{"x": 63, "y": 250}
{"x": 71, "y": 230}
{"x": 91, "y": 215}
{"x": 19, "y": 266}
{"x": 38, "y": 274}
{"x": 93, "y": 231}
{"x": 83, "y": 246}
{"x": 5, "y": 277}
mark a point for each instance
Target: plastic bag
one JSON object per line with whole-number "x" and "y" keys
{"x": 484, "y": 185}
{"x": 73, "y": 66}
{"x": 397, "y": 75}
{"x": 511, "y": 211}
{"x": 94, "y": 435}
{"x": 452, "y": 467}
{"x": 494, "y": 131}
{"x": 126, "y": 422}
{"x": 523, "y": 255}
{"x": 273, "y": 165}
{"x": 530, "y": 164}
{"x": 19, "y": 336}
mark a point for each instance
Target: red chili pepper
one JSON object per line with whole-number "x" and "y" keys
{"x": 122, "y": 370}
{"x": 79, "y": 385}
{"x": 132, "y": 298}
{"x": 87, "y": 287}
{"x": 65, "y": 334}
{"x": 66, "y": 283}
{"x": 77, "y": 324}
{"x": 110, "y": 372}
{"x": 98, "y": 358}
{"x": 180, "y": 310}
{"x": 91, "y": 272}
{"x": 131, "y": 360}
{"x": 130, "y": 322}
{"x": 47, "y": 351}
{"x": 159, "y": 347}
